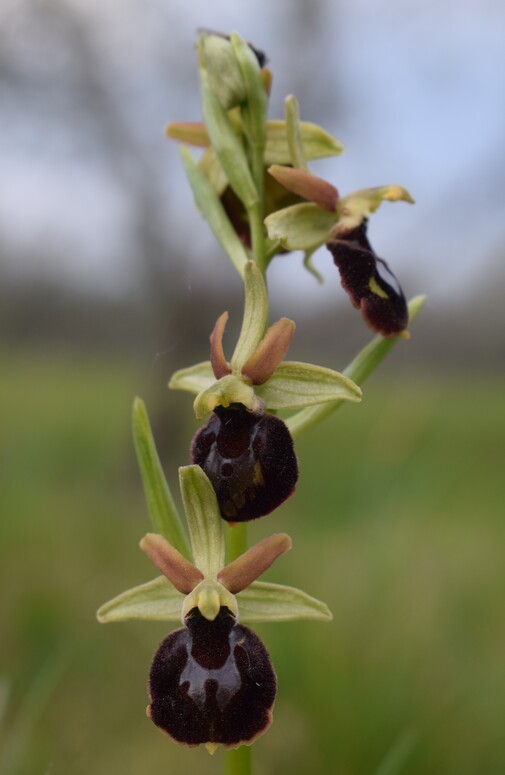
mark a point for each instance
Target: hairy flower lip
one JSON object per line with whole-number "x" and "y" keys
{"x": 371, "y": 285}
{"x": 249, "y": 459}
{"x": 212, "y": 683}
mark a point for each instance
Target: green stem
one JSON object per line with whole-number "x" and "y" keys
{"x": 236, "y": 541}
{"x": 358, "y": 370}
{"x": 238, "y": 761}
{"x": 257, "y": 211}
{"x": 258, "y": 235}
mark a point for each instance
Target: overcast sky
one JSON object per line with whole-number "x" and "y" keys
{"x": 415, "y": 91}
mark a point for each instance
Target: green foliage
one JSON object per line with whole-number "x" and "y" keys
{"x": 411, "y": 562}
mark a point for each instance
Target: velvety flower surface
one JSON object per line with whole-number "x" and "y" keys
{"x": 249, "y": 459}
{"x": 212, "y": 682}
{"x": 371, "y": 285}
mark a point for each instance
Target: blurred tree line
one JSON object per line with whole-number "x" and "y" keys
{"x": 57, "y": 67}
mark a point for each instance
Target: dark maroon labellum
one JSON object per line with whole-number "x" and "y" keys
{"x": 212, "y": 682}
{"x": 370, "y": 283}
{"x": 249, "y": 459}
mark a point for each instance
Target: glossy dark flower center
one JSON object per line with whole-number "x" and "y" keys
{"x": 212, "y": 682}
{"x": 250, "y": 460}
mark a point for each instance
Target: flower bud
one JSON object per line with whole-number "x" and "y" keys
{"x": 223, "y": 70}
{"x": 249, "y": 459}
{"x": 212, "y": 682}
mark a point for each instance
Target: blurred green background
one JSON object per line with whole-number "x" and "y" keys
{"x": 109, "y": 281}
{"x": 397, "y": 523}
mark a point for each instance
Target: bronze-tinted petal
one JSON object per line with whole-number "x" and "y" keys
{"x": 212, "y": 682}
{"x": 249, "y": 459}
{"x": 371, "y": 285}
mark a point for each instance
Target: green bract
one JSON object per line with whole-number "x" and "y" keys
{"x": 162, "y": 509}
{"x": 359, "y": 369}
{"x": 213, "y": 211}
{"x": 254, "y": 108}
{"x": 228, "y": 146}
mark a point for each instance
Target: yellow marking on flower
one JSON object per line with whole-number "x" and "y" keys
{"x": 375, "y": 288}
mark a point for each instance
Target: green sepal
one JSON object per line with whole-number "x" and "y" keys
{"x": 155, "y": 601}
{"x": 301, "y": 227}
{"x": 223, "y": 392}
{"x": 358, "y": 370}
{"x": 296, "y": 384}
{"x": 194, "y": 379}
{"x": 204, "y": 520}
{"x": 227, "y": 145}
{"x": 265, "y": 602}
{"x": 316, "y": 143}
{"x": 161, "y": 505}
{"x": 210, "y": 206}
{"x": 158, "y": 601}
{"x": 255, "y": 316}
{"x": 354, "y": 208}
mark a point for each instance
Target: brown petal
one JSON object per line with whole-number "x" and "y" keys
{"x": 220, "y": 365}
{"x": 270, "y": 352}
{"x": 180, "y": 572}
{"x": 307, "y": 185}
{"x": 249, "y": 566}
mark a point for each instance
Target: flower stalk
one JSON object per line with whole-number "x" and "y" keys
{"x": 254, "y": 187}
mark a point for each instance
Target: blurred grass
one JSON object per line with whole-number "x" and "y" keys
{"x": 398, "y": 523}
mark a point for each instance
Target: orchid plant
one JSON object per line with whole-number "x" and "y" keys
{"x": 211, "y": 681}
